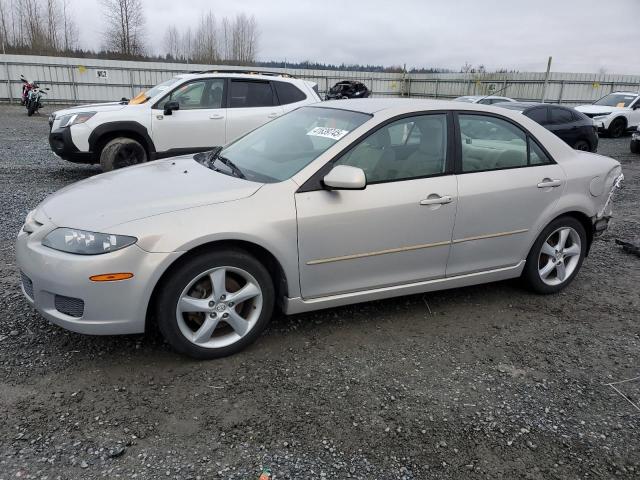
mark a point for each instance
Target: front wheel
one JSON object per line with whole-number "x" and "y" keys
{"x": 31, "y": 109}
{"x": 556, "y": 256}
{"x": 215, "y": 304}
{"x": 122, "y": 152}
{"x": 635, "y": 146}
{"x": 617, "y": 128}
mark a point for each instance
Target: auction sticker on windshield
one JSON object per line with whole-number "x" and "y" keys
{"x": 333, "y": 133}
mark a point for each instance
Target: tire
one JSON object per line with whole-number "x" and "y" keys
{"x": 582, "y": 145}
{"x": 31, "y": 109}
{"x": 190, "y": 285}
{"x": 635, "y": 146}
{"x": 617, "y": 128}
{"x": 571, "y": 256}
{"x": 121, "y": 152}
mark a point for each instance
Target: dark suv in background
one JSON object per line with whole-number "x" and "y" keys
{"x": 573, "y": 127}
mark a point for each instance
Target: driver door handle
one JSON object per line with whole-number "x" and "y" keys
{"x": 272, "y": 115}
{"x": 547, "y": 182}
{"x": 216, "y": 116}
{"x": 436, "y": 200}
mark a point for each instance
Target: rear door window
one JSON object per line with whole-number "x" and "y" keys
{"x": 246, "y": 94}
{"x": 560, "y": 115}
{"x": 538, "y": 115}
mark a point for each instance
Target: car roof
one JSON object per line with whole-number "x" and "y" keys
{"x": 408, "y": 105}
{"x": 625, "y": 93}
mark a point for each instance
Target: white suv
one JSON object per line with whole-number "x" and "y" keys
{"x": 186, "y": 114}
{"x": 614, "y": 114}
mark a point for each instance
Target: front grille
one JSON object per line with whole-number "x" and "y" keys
{"x": 27, "y": 284}
{"x": 74, "y": 307}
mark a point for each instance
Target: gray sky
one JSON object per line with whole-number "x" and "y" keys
{"x": 581, "y": 35}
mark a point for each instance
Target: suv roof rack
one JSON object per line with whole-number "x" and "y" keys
{"x": 248, "y": 71}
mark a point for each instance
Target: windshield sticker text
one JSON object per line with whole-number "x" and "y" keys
{"x": 333, "y": 133}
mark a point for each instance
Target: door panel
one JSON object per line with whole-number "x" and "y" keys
{"x": 252, "y": 103}
{"x": 498, "y": 214}
{"x": 380, "y": 236}
{"x": 200, "y": 122}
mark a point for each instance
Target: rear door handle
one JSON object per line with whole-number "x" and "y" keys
{"x": 547, "y": 183}
{"x": 435, "y": 199}
{"x": 216, "y": 116}
{"x": 272, "y": 115}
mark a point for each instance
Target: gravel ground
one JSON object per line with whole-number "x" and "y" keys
{"x": 480, "y": 382}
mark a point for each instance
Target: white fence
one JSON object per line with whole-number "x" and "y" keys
{"x": 79, "y": 80}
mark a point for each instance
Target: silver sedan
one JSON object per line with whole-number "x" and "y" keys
{"x": 332, "y": 204}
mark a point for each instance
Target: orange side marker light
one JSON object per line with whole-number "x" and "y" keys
{"x": 111, "y": 277}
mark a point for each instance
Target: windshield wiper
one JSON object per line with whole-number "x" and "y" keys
{"x": 215, "y": 155}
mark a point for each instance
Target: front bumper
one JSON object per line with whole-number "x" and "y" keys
{"x": 57, "y": 284}
{"x": 62, "y": 145}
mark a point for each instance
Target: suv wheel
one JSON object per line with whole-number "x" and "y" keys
{"x": 556, "y": 256}
{"x": 122, "y": 152}
{"x": 617, "y": 128}
{"x": 215, "y": 304}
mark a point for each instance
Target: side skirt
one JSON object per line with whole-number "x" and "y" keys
{"x": 299, "y": 305}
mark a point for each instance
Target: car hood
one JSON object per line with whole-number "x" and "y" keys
{"x": 132, "y": 193}
{"x": 93, "y": 107}
{"x": 598, "y": 109}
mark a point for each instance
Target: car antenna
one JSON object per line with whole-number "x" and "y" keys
{"x": 493, "y": 93}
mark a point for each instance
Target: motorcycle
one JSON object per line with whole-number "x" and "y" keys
{"x": 26, "y": 88}
{"x": 34, "y": 98}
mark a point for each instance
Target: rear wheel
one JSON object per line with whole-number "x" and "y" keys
{"x": 215, "y": 304}
{"x": 617, "y": 128}
{"x": 556, "y": 256}
{"x": 582, "y": 145}
{"x": 635, "y": 146}
{"x": 122, "y": 152}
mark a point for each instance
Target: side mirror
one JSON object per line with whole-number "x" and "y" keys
{"x": 345, "y": 177}
{"x": 169, "y": 107}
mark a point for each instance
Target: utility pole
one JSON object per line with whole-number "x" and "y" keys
{"x": 546, "y": 80}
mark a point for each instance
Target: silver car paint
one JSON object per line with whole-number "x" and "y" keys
{"x": 172, "y": 212}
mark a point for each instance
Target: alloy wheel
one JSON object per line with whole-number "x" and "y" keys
{"x": 219, "y": 307}
{"x": 559, "y": 256}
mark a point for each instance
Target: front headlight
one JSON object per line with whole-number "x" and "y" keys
{"x": 81, "y": 242}
{"x": 75, "y": 118}
{"x": 601, "y": 116}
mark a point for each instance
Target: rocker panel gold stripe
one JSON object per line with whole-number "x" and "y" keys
{"x": 380, "y": 252}
{"x": 413, "y": 247}
{"x": 491, "y": 235}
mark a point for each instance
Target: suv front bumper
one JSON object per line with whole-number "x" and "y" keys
{"x": 62, "y": 145}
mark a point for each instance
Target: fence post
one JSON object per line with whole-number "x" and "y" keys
{"x": 6, "y": 66}
{"x": 74, "y": 85}
{"x": 437, "y": 85}
{"x": 561, "y": 92}
{"x": 546, "y": 80}
{"x": 133, "y": 90}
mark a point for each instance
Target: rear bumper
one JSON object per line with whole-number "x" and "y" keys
{"x": 62, "y": 145}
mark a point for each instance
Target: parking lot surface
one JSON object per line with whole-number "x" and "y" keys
{"x": 481, "y": 382}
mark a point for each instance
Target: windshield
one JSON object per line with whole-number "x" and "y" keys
{"x": 281, "y": 148}
{"x": 616, "y": 100}
{"x": 152, "y": 92}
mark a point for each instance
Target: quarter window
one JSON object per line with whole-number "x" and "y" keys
{"x": 412, "y": 147}
{"x": 288, "y": 93}
{"x": 251, "y": 94}
{"x": 201, "y": 94}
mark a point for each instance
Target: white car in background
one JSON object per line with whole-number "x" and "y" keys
{"x": 614, "y": 114}
{"x": 189, "y": 113}
{"x": 483, "y": 99}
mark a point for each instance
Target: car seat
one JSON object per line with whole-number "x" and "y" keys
{"x": 429, "y": 159}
